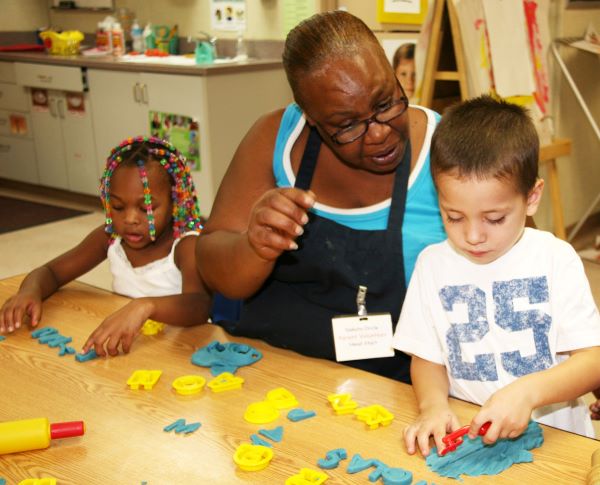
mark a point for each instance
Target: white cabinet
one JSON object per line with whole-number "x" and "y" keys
{"x": 62, "y": 126}
{"x": 224, "y": 104}
{"x": 121, "y": 105}
{"x": 17, "y": 153}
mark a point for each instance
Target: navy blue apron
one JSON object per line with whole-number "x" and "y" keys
{"x": 319, "y": 280}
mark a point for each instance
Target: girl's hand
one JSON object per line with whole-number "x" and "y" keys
{"x": 509, "y": 411}
{"x": 276, "y": 221}
{"x": 118, "y": 329}
{"x": 436, "y": 422}
{"x": 17, "y": 308}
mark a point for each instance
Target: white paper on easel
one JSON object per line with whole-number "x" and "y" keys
{"x": 471, "y": 20}
{"x": 509, "y": 47}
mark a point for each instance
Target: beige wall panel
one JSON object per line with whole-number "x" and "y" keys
{"x": 23, "y": 15}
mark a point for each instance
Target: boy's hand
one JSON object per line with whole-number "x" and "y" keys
{"x": 509, "y": 411}
{"x": 19, "y": 307}
{"x": 436, "y": 422}
{"x": 118, "y": 330}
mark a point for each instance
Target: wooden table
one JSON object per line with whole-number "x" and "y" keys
{"x": 125, "y": 442}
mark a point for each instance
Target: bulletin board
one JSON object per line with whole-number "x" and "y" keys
{"x": 401, "y": 11}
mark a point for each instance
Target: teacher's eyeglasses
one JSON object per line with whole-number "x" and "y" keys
{"x": 383, "y": 116}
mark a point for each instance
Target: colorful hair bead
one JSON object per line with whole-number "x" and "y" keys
{"x": 186, "y": 214}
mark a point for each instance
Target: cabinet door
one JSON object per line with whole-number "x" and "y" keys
{"x": 17, "y": 159}
{"x": 117, "y": 110}
{"x": 48, "y": 139}
{"x": 80, "y": 149}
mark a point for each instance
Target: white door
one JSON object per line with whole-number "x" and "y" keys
{"x": 48, "y": 137}
{"x": 80, "y": 148}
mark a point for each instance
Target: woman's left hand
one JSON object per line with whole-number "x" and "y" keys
{"x": 118, "y": 329}
{"x": 509, "y": 411}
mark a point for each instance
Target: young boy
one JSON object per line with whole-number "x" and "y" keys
{"x": 498, "y": 314}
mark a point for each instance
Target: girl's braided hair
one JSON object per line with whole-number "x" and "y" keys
{"x": 138, "y": 151}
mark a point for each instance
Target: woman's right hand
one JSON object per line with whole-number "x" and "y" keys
{"x": 17, "y": 307}
{"x": 277, "y": 219}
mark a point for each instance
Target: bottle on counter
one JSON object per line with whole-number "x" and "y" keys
{"x": 104, "y": 37}
{"x": 118, "y": 40}
{"x": 137, "y": 37}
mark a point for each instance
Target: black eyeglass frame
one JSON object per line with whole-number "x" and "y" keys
{"x": 372, "y": 119}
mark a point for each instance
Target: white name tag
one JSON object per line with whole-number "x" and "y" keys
{"x": 365, "y": 337}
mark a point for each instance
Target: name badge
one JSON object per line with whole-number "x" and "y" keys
{"x": 362, "y": 337}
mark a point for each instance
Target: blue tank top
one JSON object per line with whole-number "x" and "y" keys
{"x": 422, "y": 224}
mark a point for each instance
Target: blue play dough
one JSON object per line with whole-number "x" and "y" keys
{"x": 1, "y": 339}
{"x": 89, "y": 355}
{"x": 300, "y": 414}
{"x": 225, "y": 357}
{"x": 358, "y": 464}
{"x": 474, "y": 458}
{"x": 257, "y": 440}
{"x": 275, "y": 434}
{"x": 397, "y": 476}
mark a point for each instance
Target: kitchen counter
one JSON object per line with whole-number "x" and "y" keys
{"x": 116, "y": 64}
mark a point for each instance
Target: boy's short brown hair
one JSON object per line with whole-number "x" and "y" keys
{"x": 485, "y": 137}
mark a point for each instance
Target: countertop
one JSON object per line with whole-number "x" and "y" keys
{"x": 116, "y": 64}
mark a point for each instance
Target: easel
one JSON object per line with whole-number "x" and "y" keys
{"x": 445, "y": 67}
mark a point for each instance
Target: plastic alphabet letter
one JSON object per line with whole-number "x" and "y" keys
{"x": 143, "y": 378}
{"x": 252, "y": 457}
{"x": 307, "y": 477}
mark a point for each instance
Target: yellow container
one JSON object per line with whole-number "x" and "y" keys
{"x": 62, "y": 44}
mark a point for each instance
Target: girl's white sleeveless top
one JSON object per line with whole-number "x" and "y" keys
{"x": 158, "y": 278}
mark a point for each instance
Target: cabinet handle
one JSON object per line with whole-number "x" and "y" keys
{"x": 145, "y": 98}
{"x": 137, "y": 94}
{"x": 61, "y": 108}
{"x": 52, "y": 104}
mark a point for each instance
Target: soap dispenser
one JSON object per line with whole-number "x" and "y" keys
{"x": 205, "y": 50}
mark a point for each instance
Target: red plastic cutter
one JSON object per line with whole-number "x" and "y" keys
{"x": 454, "y": 439}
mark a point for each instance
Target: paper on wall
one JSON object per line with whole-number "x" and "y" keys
{"x": 509, "y": 47}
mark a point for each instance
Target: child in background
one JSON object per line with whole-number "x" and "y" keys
{"x": 498, "y": 314}
{"x": 404, "y": 67}
{"x": 151, "y": 215}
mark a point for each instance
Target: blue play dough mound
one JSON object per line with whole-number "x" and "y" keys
{"x": 474, "y": 458}
{"x": 225, "y": 357}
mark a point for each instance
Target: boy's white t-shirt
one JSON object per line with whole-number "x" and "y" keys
{"x": 490, "y": 324}
{"x": 158, "y": 278}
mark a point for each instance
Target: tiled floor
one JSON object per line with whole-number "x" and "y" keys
{"x": 21, "y": 251}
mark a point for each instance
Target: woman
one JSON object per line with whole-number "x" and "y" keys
{"x": 313, "y": 203}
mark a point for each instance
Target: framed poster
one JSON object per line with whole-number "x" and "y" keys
{"x": 401, "y": 11}
{"x": 181, "y": 131}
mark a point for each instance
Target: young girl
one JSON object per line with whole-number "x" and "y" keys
{"x": 151, "y": 213}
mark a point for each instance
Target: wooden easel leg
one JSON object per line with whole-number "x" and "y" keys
{"x": 557, "y": 209}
